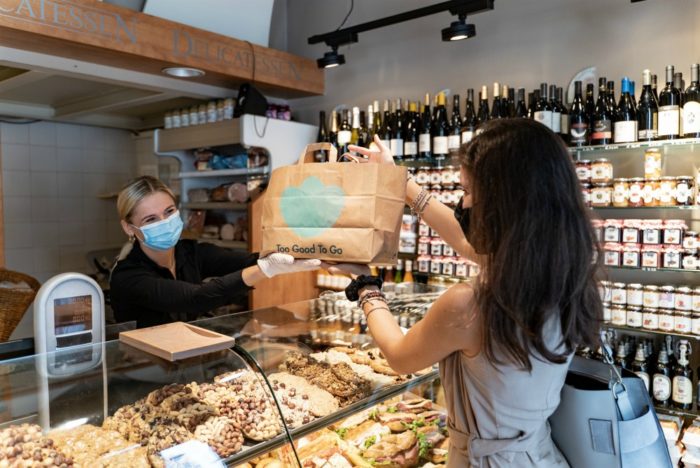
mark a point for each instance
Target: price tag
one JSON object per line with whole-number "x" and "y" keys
{"x": 191, "y": 454}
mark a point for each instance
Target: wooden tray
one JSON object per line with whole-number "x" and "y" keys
{"x": 177, "y": 340}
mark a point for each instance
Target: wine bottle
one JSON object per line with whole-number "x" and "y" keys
{"x": 364, "y": 139}
{"x": 344, "y": 133}
{"x": 647, "y": 111}
{"x": 370, "y": 123}
{"x": 410, "y": 142}
{"x": 654, "y": 86}
{"x": 483, "y": 114}
{"x": 496, "y": 107}
{"x": 543, "y": 112}
{"x": 679, "y": 84}
{"x": 565, "y": 117}
{"x": 333, "y": 134}
{"x": 633, "y": 94}
{"x": 669, "y": 351}
{"x": 621, "y": 356}
{"x": 691, "y": 106}
{"x": 398, "y": 275}
{"x": 397, "y": 128}
{"x": 425, "y": 136}
{"x": 639, "y": 365}
{"x": 520, "y": 108}
{"x": 669, "y": 109}
{"x": 661, "y": 381}
{"x": 625, "y": 127}
{"x": 556, "y": 111}
{"x": 377, "y": 119}
{"x": 531, "y": 105}
{"x": 355, "y": 131}
{"x": 408, "y": 274}
{"x": 610, "y": 99}
{"x": 602, "y": 118}
{"x": 578, "y": 130}
{"x": 469, "y": 121}
{"x": 321, "y": 137}
{"x": 454, "y": 140}
{"x": 510, "y": 103}
{"x": 385, "y": 132}
{"x": 682, "y": 394}
{"x": 441, "y": 130}
{"x": 589, "y": 106}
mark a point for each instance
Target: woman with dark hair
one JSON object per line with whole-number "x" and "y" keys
{"x": 504, "y": 342}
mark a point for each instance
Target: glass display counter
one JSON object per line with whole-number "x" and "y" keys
{"x": 294, "y": 371}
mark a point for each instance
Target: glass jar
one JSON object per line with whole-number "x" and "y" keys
{"x": 652, "y": 163}
{"x": 631, "y": 255}
{"x": 667, "y": 297}
{"x": 695, "y": 323}
{"x": 684, "y": 299}
{"x": 461, "y": 268}
{"x": 423, "y": 175}
{"x": 696, "y": 300}
{"x": 684, "y": 190}
{"x": 650, "y": 296}
{"x": 635, "y": 190}
{"x": 423, "y": 263}
{"x": 448, "y": 266}
{"x": 607, "y": 312}
{"x": 650, "y": 319}
{"x": 634, "y": 317}
{"x": 424, "y": 246}
{"x": 435, "y": 265}
{"x": 618, "y": 315}
{"x": 435, "y": 176}
{"x": 436, "y": 247}
{"x": 184, "y": 117}
{"x": 651, "y": 231}
{"x": 168, "y": 120}
{"x": 631, "y": 231}
{"x": 445, "y": 196}
{"x": 666, "y": 320}
{"x": 586, "y": 192}
{"x": 598, "y": 229}
{"x": 202, "y": 114}
{"x": 583, "y": 170}
{"x": 601, "y": 171}
{"x": 635, "y": 295}
{"x": 423, "y": 229}
{"x": 436, "y": 191}
{"x": 673, "y": 230}
{"x": 621, "y": 193}
{"x": 667, "y": 191}
{"x": 175, "y": 118}
{"x": 605, "y": 291}
{"x": 689, "y": 260}
{"x": 446, "y": 175}
{"x": 619, "y": 293}
{"x": 690, "y": 240}
{"x": 601, "y": 194}
{"x": 650, "y": 192}
{"x": 672, "y": 257}
{"x": 682, "y": 322}
{"x": 613, "y": 254}
{"x": 447, "y": 250}
{"x": 211, "y": 112}
{"x": 612, "y": 230}
{"x": 651, "y": 256}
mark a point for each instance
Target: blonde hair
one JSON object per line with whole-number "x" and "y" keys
{"x": 135, "y": 191}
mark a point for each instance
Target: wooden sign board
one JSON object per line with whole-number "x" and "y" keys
{"x": 176, "y": 341}
{"x": 101, "y": 33}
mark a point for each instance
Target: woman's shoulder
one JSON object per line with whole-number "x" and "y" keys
{"x": 457, "y": 306}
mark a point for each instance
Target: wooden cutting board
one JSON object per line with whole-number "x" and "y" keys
{"x": 177, "y": 340}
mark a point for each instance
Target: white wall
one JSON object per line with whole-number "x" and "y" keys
{"x": 52, "y": 174}
{"x": 521, "y": 43}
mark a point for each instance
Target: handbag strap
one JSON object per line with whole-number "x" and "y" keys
{"x": 622, "y": 399}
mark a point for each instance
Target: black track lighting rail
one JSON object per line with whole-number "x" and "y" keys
{"x": 349, "y": 35}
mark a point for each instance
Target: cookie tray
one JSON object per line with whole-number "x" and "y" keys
{"x": 176, "y": 341}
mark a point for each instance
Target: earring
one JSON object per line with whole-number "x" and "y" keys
{"x": 131, "y": 238}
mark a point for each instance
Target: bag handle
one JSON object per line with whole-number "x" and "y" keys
{"x": 617, "y": 385}
{"x": 313, "y": 147}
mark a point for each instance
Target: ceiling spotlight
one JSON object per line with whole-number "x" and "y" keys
{"x": 183, "y": 72}
{"x": 459, "y": 30}
{"x": 331, "y": 59}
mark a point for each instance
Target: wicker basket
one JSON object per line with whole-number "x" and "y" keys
{"x": 14, "y": 302}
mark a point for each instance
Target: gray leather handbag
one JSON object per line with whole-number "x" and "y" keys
{"x": 607, "y": 420}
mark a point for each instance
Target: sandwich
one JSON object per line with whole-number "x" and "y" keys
{"x": 357, "y": 436}
{"x": 432, "y": 417}
{"x": 438, "y": 454}
{"x": 394, "y": 451}
{"x": 416, "y": 405}
{"x": 397, "y": 422}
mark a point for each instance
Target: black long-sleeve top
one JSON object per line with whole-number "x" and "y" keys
{"x": 143, "y": 291}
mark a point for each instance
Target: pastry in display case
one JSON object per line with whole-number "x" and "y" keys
{"x": 278, "y": 397}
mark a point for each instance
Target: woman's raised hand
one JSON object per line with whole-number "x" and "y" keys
{"x": 376, "y": 153}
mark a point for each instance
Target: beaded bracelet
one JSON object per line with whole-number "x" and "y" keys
{"x": 420, "y": 202}
{"x": 369, "y": 296}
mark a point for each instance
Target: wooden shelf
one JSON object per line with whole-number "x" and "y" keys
{"x": 227, "y": 244}
{"x": 224, "y": 173}
{"x": 215, "y": 206}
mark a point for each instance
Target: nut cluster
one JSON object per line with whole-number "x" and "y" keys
{"x": 25, "y": 446}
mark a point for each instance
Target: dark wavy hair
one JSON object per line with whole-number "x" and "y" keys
{"x": 541, "y": 258}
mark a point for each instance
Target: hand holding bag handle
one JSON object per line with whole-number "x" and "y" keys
{"x": 313, "y": 147}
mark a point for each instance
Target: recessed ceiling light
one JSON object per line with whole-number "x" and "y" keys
{"x": 183, "y": 72}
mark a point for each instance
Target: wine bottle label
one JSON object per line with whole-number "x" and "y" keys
{"x": 424, "y": 142}
{"x": 669, "y": 121}
{"x": 344, "y": 137}
{"x": 645, "y": 378}
{"x": 544, "y": 117}
{"x": 440, "y": 145}
{"x": 602, "y": 129}
{"x": 661, "y": 387}
{"x": 564, "y": 124}
{"x": 386, "y": 143}
{"x": 396, "y": 145}
{"x": 453, "y": 142}
{"x": 579, "y": 133}
{"x": 467, "y": 136}
{"x": 682, "y": 390}
{"x": 625, "y": 131}
{"x": 691, "y": 118}
{"x": 556, "y": 122}
{"x": 410, "y": 148}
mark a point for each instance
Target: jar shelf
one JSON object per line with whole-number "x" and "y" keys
{"x": 625, "y": 328}
{"x": 621, "y": 208}
{"x": 676, "y": 412}
{"x": 680, "y": 144}
{"x": 677, "y": 270}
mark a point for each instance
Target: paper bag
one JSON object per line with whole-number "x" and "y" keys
{"x": 338, "y": 212}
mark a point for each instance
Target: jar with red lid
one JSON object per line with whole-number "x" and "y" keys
{"x": 436, "y": 247}
{"x": 690, "y": 240}
{"x": 612, "y": 230}
{"x": 667, "y": 191}
{"x": 673, "y": 230}
{"x": 601, "y": 194}
{"x": 423, "y": 262}
{"x": 672, "y": 256}
{"x": 448, "y": 266}
{"x": 650, "y": 192}
{"x": 435, "y": 265}
{"x": 634, "y": 190}
{"x": 447, "y": 250}
{"x": 631, "y": 255}
{"x": 601, "y": 171}
{"x": 631, "y": 231}
{"x": 583, "y": 170}
{"x": 651, "y": 231}
{"x": 684, "y": 190}
{"x": 613, "y": 254}
{"x": 621, "y": 193}
{"x": 424, "y": 246}
{"x": 461, "y": 268}
{"x": 650, "y": 319}
{"x": 651, "y": 256}
{"x": 423, "y": 229}
{"x": 689, "y": 260}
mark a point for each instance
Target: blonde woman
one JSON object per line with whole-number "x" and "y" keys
{"x": 161, "y": 278}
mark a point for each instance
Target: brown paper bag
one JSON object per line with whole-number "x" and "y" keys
{"x": 338, "y": 212}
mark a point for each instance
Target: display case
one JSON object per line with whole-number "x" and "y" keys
{"x": 294, "y": 370}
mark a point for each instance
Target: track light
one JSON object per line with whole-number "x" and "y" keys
{"x": 459, "y": 30}
{"x": 331, "y": 59}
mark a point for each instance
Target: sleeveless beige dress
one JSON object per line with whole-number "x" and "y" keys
{"x": 497, "y": 416}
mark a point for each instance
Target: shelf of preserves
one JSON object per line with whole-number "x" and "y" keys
{"x": 679, "y": 144}
{"x": 667, "y": 270}
{"x": 625, "y": 328}
{"x": 622, "y": 208}
{"x": 215, "y": 206}
{"x": 224, "y": 173}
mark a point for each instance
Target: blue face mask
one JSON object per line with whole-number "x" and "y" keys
{"x": 164, "y": 234}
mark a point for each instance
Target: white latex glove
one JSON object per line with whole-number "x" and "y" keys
{"x": 279, "y": 264}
